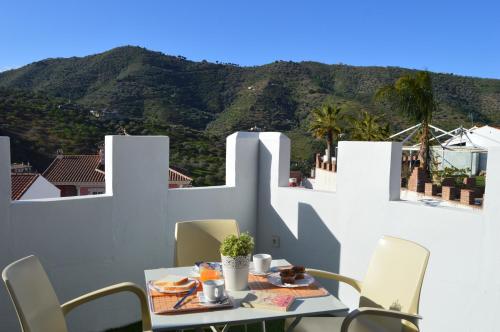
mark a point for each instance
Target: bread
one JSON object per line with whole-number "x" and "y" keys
{"x": 171, "y": 280}
{"x": 172, "y": 283}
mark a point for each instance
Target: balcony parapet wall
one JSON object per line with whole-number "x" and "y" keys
{"x": 89, "y": 242}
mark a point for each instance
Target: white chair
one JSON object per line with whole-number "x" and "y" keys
{"x": 389, "y": 293}
{"x": 36, "y": 303}
{"x": 200, "y": 240}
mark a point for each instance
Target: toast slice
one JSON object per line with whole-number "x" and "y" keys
{"x": 171, "y": 284}
{"x": 171, "y": 280}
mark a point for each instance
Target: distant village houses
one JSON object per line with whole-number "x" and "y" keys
{"x": 79, "y": 175}
{"x": 26, "y": 184}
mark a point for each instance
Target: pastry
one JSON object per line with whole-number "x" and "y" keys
{"x": 299, "y": 269}
{"x": 287, "y": 276}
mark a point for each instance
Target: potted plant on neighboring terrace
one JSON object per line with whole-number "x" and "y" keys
{"x": 235, "y": 255}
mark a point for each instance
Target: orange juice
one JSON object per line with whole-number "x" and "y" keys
{"x": 208, "y": 274}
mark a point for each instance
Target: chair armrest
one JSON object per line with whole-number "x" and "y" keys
{"x": 413, "y": 319}
{"x": 356, "y": 284}
{"x": 118, "y": 288}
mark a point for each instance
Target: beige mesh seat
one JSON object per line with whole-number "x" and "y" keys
{"x": 389, "y": 293}
{"x": 36, "y": 303}
{"x": 199, "y": 240}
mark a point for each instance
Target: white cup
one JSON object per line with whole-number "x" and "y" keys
{"x": 213, "y": 290}
{"x": 262, "y": 263}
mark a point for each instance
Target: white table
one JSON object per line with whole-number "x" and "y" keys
{"x": 239, "y": 315}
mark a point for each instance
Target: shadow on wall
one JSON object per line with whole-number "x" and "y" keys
{"x": 319, "y": 248}
{"x": 314, "y": 246}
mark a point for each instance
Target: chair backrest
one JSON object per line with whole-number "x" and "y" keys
{"x": 36, "y": 303}
{"x": 200, "y": 240}
{"x": 395, "y": 275}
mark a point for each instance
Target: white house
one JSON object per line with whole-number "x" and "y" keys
{"x": 469, "y": 148}
{"x": 32, "y": 186}
{"x": 479, "y": 137}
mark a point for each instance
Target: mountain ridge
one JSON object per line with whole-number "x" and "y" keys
{"x": 145, "y": 91}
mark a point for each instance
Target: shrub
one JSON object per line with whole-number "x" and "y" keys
{"x": 234, "y": 246}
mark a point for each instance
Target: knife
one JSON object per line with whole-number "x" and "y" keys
{"x": 191, "y": 291}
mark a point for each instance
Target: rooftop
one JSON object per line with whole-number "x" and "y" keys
{"x": 74, "y": 168}
{"x": 88, "y": 169}
{"x": 87, "y": 242}
{"x": 20, "y": 183}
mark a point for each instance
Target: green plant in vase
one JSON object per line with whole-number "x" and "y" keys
{"x": 235, "y": 255}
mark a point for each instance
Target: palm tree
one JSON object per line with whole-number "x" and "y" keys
{"x": 413, "y": 96}
{"x": 326, "y": 124}
{"x": 367, "y": 128}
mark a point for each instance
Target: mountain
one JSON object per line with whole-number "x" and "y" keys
{"x": 72, "y": 102}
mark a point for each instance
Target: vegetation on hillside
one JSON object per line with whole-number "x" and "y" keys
{"x": 38, "y": 125}
{"x": 50, "y": 103}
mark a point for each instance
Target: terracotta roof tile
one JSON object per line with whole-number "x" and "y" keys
{"x": 20, "y": 183}
{"x": 174, "y": 175}
{"x": 82, "y": 168}
{"x": 74, "y": 169}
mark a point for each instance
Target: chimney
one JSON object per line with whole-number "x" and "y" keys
{"x": 101, "y": 155}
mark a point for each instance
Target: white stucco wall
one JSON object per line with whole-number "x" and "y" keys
{"x": 88, "y": 242}
{"x": 92, "y": 241}
{"x": 41, "y": 188}
{"x": 324, "y": 180}
{"x": 338, "y": 232}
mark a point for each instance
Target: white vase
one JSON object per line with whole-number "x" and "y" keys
{"x": 235, "y": 271}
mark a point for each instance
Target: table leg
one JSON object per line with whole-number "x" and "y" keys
{"x": 224, "y": 329}
{"x": 295, "y": 322}
{"x": 263, "y": 326}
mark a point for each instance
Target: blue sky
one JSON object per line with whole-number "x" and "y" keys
{"x": 444, "y": 36}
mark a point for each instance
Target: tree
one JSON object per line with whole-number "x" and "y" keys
{"x": 413, "y": 96}
{"x": 367, "y": 128}
{"x": 326, "y": 124}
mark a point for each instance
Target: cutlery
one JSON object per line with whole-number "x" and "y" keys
{"x": 191, "y": 291}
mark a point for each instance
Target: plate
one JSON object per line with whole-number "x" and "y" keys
{"x": 275, "y": 279}
{"x": 259, "y": 274}
{"x": 159, "y": 290}
{"x": 226, "y": 300}
{"x": 263, "y": 274}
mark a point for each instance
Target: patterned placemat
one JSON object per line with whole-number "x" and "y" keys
{"x": 164, "y": 303}
{"x": 261, "y": 283}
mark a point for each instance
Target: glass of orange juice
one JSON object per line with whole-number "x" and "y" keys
{"x": 207, "y": 273}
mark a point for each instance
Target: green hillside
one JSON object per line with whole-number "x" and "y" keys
{"x": 48, "y": 104}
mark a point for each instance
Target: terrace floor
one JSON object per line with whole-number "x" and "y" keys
{"x": 435, "y": 201}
